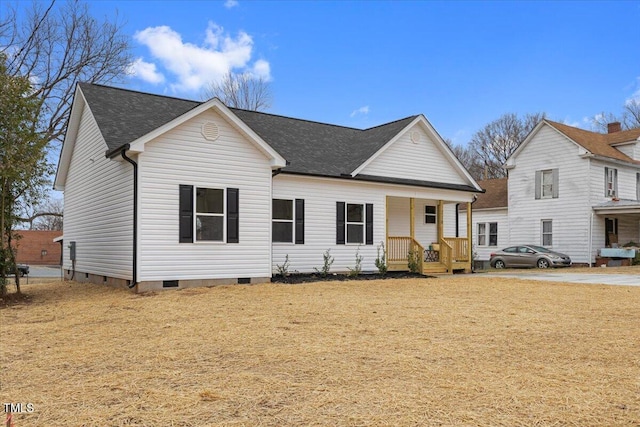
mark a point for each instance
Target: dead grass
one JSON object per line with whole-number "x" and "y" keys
{"x": 462, "y": 351}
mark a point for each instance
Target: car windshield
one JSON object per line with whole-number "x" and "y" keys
{"x": 540, "y": 249}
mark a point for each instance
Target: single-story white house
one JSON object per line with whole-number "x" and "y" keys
{"x": 161, "y": 192}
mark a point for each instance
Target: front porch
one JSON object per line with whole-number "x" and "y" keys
{"x": 429, "y": 250}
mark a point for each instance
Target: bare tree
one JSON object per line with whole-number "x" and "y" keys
{"x": 45, "y": 216}
{"x": 629, "y": 119}
{"x": 492, "y": 145}
{"x": 468, "y": 158}
{"x": 55, "y": 46}
{"x": 243, "y": 91}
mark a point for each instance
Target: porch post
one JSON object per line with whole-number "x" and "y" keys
{"x": 386, "y": 217}
{"x": 469, "y": 236}
{"x": 412, "y": 217}
{"x": 440, "y": 220}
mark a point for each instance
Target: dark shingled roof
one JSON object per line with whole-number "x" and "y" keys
{"x": 124, "y": 115}
{"x": 310, "y": 148}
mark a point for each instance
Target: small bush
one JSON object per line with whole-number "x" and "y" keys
{"x": 381, "y": 261}
{"x": 283, "y": 270}
{"x": 354, "y": 272}
{"x": 413, "y": 259}
{"x": 326, "y": 265}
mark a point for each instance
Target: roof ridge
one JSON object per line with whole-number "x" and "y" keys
{"x": 296, "y": 118}
{"x": 392, "y": 122}
{"x": 140, "y": 92}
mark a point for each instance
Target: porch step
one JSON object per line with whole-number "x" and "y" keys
{"x": 433, "y": 267}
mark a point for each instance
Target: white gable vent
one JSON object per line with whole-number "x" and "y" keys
{"x": 415, "y": 137}
{"x": 210, "y": 131}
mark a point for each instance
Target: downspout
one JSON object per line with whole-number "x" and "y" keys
{"x": 134, "y": 276}
{"x": 590, "y": 238}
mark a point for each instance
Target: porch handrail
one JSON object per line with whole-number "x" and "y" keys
{"x": 399, "y": 248}
{"x": 446, "y": 254}
{"x": 459, "y": 246}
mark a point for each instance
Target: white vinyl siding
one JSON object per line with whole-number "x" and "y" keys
{"x": 321, "y": 195}
{"x": 570, "y": 212}
{"x": 183, "y": 156}
{"x": 496, "y": 216}
{"x": 424, "y": 160}
{"x": 98, "y": 207}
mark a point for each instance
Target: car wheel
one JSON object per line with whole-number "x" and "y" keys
{"x": 21, "y": 273}
{"x": 543, "y": 263}
{"x": 499, "y": 264}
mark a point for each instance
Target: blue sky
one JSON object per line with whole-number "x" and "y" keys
{"x": 361, "y": 64}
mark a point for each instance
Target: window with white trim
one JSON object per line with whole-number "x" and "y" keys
{"x": 210, "y": 214}
{"x": 355, "y": 223}
{"x": 482, "y": 234}
{"x": 487, "y": 234}
{"x": 429, "y": 214}
{"x": 282, "y": 220}
{"x": 547, "y": 184}
{"x": 611, "y": 182}
{"x": 547, "y": 232}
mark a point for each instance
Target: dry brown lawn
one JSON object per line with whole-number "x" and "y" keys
{"x": 460, "y": 351}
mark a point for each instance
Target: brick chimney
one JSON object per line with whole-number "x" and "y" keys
{"x": 613, "y": 127}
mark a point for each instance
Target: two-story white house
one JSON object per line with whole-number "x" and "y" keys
{"x": 568, "y": 189}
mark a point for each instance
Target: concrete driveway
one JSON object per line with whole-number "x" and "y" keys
{"x": 44, "y": 271}
{"x": 569, "y": 277}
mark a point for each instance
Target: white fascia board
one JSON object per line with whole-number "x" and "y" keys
{"x": 276, "y": 160}
{"x": 422, "y": 120}
{"x": 510, "y": 163}
{"x": 79, "y": 104}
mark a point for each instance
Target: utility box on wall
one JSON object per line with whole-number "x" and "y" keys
{"x": 72, "y": 251}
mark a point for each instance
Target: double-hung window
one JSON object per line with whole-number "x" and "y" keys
{"x": 547, "y": 184}
{"x": 493, "y": 234}
{"x": 282, "y": 220}
{"x": 488, "y": 233}
{"x": 610, "y": 182}
{"x": 287, "y": 221}
{"x": 429, "y": 214}
{"x": 209, "y": 214}
{"x": 354, "y": 223}
{"x": 547, "y": 232}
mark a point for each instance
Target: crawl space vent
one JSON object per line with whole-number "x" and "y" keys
{"x": 415, "y": 137}
{"x": 210, "y": 131}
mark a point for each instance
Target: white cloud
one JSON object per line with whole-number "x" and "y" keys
{"x": 362, "y": 110}
{"x": 145, "y": 71}
{"x": 636, "y": 95}
{"x": 230, "y": 3}
{"x": 193, "y": 65}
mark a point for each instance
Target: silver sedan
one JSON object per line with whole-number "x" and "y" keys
{"x": 528, "y": 256}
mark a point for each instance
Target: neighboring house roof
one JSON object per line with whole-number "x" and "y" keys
{"x": 598, "y": 143}
{"x": 496, "y": 195}
{"x": 312, "y": 148}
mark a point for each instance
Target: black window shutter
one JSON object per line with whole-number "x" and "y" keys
{"x": 369, "y": 224}
{"x": 299, "y": 221}
{"x": 233, "y": 217}
{"x": 186, "y": 214}
{"x": 340, "y": 223}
